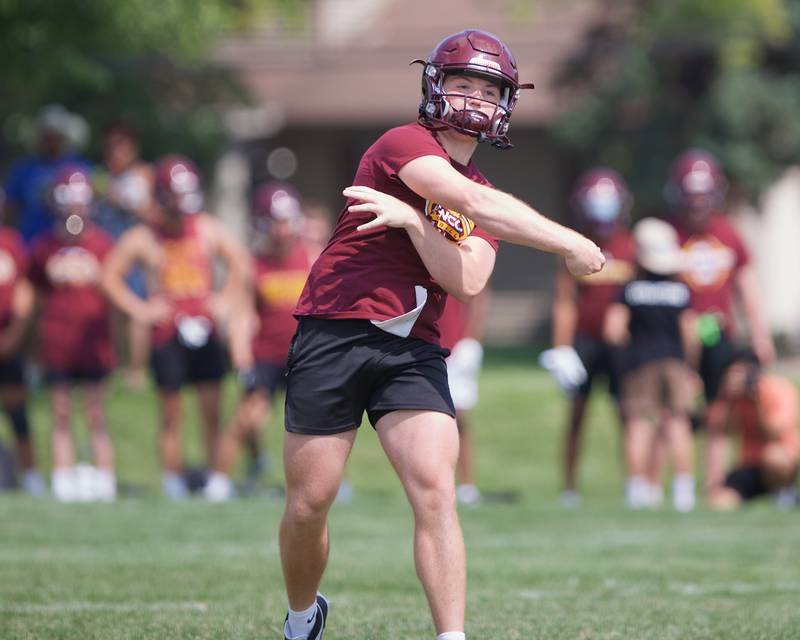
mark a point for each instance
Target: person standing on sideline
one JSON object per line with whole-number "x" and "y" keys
{"x": 601, "y": 202}
{"x": 654, "y": 321}
{"x": 420, "y": 222}
{"x": 16, "y": 311}
{"x": 260, "y": 333}
{"x": 176, "y": 248}
{"x": 75, "y": 333}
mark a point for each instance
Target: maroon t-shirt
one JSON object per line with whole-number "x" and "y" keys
{"x": 598, "y": 291}
{"x": 75, "y": 320}
{"x": 13, "y": 266}
{"x": 713, "y": 259}
{"x": 372, "y": 274}
{"x": 278, "y": 284}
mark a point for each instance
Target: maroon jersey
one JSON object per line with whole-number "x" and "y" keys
{"x": 13, "y": 266}
{"x": 372, "y": 275}
{"x": 453, "y": 322}
{"x": 598, "y": 291}
{"x": 278, "y": 284}
{"x": 713, "y": 259}
{"x": 186, "y": 277}
{"x": 75, "y": 319}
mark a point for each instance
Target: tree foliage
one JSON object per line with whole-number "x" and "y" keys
{"x": 719, "y": 74}
{"x": 144, "y": 60}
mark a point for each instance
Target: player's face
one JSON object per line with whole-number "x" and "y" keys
{"x": 119, "y": 152}
{"x": 479, "y": 94}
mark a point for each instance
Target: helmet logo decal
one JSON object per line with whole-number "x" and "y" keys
{"x": 451, "y": 224}
{"x": 73, "y": 266}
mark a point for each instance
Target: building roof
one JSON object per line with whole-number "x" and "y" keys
{"x": 349, "y": 64}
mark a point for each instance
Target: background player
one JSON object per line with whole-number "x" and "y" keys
{"x": 601, "y": 202}
{"x": 75, "y": 333}
{"x": 177, "y": 249}
{"x": 260, "y": 332}
{"x": 16, "y": 311}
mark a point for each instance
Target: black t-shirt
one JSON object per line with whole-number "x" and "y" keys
{"x": 656, "y": 305}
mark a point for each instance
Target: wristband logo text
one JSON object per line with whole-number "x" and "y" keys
{"x": 452, "y": 224}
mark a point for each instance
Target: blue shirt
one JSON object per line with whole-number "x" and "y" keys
{"x": 27, "y": 186}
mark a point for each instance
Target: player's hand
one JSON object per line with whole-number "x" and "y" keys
{"x": 566, "y": 366}
{"x": 584, "y": 257}
{"x": 155, "y": 311}
{"x": 388, "y": 210}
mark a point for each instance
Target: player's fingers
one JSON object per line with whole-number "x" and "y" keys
{"x": 360, "y": 193}
{"x": 372, "y": 224}
{"x": 364, "y": 206}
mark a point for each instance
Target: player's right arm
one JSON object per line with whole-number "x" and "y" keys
{"x": 23, "y": 300}
{"x": 135, "y": 246}
{"x": 500, "y": 214}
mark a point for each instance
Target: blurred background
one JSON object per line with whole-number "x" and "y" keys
{"x": 297, "y": 89}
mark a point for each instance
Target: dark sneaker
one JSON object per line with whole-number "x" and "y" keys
{"x": 320, "y": 618}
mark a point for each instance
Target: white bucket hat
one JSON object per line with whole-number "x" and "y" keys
{"x": 657, "y": 247}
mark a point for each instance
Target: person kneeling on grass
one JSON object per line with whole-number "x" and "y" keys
{"x": 654, "y": 319}
{"x": 764, "y": 411}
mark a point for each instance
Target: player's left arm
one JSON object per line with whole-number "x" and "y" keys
{"x": 747, "y": 290}
{"x": 462, "y": 269}
{"x": 615, "y": 324}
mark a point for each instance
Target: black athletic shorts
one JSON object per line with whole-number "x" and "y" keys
{"x": 12, "y": 371}
{"x": 75, "y": 376}
{"x": 713, "y": 361}
{"x": 337, "y": 369}
{"x": 264, "y": 376}
{"x": 175, "y": 365}
{"x": 599, "y": 358}
{"x": 747, "y": 482}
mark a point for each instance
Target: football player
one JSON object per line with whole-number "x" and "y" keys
{"x": 717, "y": 269}
{"x": 176, "y": 248}
{"x": 601, "y": 202}
{"x": 262, "y": 329}
{"x": 75, "y": 333}
{"x": 420, "y": 222}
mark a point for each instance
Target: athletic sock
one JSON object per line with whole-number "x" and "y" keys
{"x": 683, "y": 492}
{"x": 300, "y": 622}
{"x": 637, "y": 492}
{"x": 452, "y": 635}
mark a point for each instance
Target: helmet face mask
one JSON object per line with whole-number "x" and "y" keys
{"x": 601, "y": 200}
{"x": 277, "y": 215}
{"x": 696, "y": 187}
{"x": 470, "y": 53}
{"x": 177, "y": 187}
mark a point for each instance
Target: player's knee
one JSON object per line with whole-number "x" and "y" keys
{"x": 306, "y": 507}
{"x": 433, "y": 492}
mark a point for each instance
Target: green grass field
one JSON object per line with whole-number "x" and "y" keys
{"x": 145, "y": 568}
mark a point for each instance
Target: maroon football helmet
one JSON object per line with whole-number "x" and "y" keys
{"x": 696, "y": 185}
{"x": 71, "y": 191}
{"x": 276, "y": 201}
{"x": 177, "y": 185}
{"x": 476, "y": 53}
{"x": 601, "y": 200}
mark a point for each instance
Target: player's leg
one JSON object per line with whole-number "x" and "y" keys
{"x": 467, "y": 491}
{"x": 640, "y": 402}
{"x": 589, "y": 351}
{"x": 779, "y": 466}
{"x": 105, "y": 479}
{"x": 314, "y": 466}
{"x": 678, "y": 430}
{"x": 423, "y": 449}
{"x": 13, "y": 397}
{"x": 64, "y": 480}
{"x": 209, "y": 397}
{"x": 253, "y": 408}
{"x": 169, "y": 365}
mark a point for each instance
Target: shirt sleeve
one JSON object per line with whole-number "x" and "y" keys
{"x": 397, "y": 147}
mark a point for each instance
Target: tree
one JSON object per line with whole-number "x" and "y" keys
{"x": 144, "y": 60}
{"x": 723, "y": 75}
